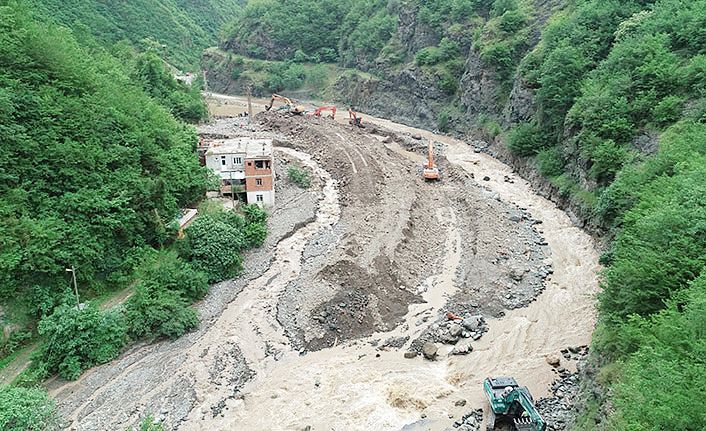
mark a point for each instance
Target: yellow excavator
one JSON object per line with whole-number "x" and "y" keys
{"x": 431, "y": 172}
{"x": 289, "y": 105}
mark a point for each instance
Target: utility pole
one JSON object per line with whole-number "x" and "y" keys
{"x": 232, "y": 191}
{"x": 248, "y": 91}
{"x": 72, "y": 270}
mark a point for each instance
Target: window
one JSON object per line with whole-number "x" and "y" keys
{"x": 223, "y": 160}
{"x": 259, "y": 164}
{"x": 258, "y": 181}
{"x": 259, "y": 198}
{"x": 237, "y": 161}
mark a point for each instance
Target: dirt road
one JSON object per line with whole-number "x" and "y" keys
{"x": 355, "y": 271}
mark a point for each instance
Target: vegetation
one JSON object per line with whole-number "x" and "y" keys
{"x": 299, "y": 176}
{"x": 605, "y": 73}
{"x": 215, "y": 240}
{"x": 93, "y": 169}
{"x": 76, "y": 339}
{"x": 179, "y": 30}
{"x": 23, "y": 409}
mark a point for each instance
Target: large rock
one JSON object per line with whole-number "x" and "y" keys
{"x": 472, "y": 323}
{"x": 429, "y": 350}
{"x": 455, "y": 330}
{"x": 553, "y": 360}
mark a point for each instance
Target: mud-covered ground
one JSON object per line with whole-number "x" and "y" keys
{"x": 359, "y": 269}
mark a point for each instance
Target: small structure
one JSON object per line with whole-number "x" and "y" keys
{"x": 245, "y": 166}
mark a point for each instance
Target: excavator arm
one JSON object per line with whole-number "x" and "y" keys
{"x": 321, "y": 109}
{"x": 289, "y": 105}
{"x": 276, "y": 97}
{"x": 511, "y": 403}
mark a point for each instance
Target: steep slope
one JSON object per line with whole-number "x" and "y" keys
{"x": 181, "y": 28}
{"x": 93, "y": 169}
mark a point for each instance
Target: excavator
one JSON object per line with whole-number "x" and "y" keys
{"x": 289, "y": 105}
{"x": 511, "y": 405}
{"x": 431, "y": 172}
{"x": 321, "y": 109}
{"x": 354, "y": 119}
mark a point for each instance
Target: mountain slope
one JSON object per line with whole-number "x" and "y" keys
{"x": 184, "y": 28}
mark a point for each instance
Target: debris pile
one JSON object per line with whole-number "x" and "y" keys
{"x": 559, "y": 410}
{"x": 469, "y": 422}
{"x": 455, "y": 330}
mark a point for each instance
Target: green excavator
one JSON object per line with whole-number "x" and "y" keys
{"x": 511, "y": 405}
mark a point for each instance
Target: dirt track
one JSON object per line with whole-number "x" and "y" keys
{"x": 372, "y": 257}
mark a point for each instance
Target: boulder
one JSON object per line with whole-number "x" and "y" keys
{"x": 429, "y": 350}
{"x": 455, "y": 330}
{"x": 410, "y": 355}
{"x": 472, "y": 323}
{"x": 553, "y": 360}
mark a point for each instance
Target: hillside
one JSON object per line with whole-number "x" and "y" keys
{"x": 179, "y": 29}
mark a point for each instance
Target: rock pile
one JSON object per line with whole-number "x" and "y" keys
{"x": 469, "y": 422}
{"x": 459, "y": 332}
{"x": 559, "y": 409}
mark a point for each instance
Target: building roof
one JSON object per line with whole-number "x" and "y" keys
{"x": 252, "y": 148}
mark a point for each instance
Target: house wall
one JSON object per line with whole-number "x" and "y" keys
{"x": 268, "y": 198}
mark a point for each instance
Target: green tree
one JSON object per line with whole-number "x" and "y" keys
{"x": 78, "y": 339}
{"x": 23, "y": 409}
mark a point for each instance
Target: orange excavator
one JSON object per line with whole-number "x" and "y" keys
{"x": 321, "y": 109}
{"x": 431, "y": 172}
{"x": 289, "y": 105}
{"x": 354, "y": 119}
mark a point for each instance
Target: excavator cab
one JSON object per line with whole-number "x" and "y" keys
{"x": 511, "y": 404}
{"x": 430, "y": 172}
{"x": 354, "y": 119}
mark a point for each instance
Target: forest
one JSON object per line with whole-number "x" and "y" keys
{"x": 98, "y": 159}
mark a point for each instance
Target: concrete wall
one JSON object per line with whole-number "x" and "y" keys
{"x": 268, "y": 198}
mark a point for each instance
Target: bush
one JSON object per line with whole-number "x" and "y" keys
{"x": 23, "y": 409}
{"x": 299, "y": 176}
{"x": 213, "y": 242}
{"x": 668, "y": 110}
{"x": 550, "y": 162}
{"x": 155, "y": 311}
{"x": 75, "y": 340}
{"x": 607, "y": 159}
{"x": 149, "y": 424}
{"x": 526, "y": 140}
{"x": 165, "y": 270}
{"x": 14, "y": 342}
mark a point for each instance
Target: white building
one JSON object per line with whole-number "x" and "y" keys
{"x": 245, "y": 166}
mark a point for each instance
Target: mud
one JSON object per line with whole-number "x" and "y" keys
{"x": 356, "y": 270}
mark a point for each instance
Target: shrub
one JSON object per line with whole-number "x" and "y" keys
{"x": 607, "y": 158}
{"x": 165, "y": 270}
{"x": 299, "y": 176}
{"x": 447, "y": 82}
{"x": 149, "y": 424}
{"x": 428, "y": 56}
{"x": 550, "y": 162}
{"x": 23, "y": 409}
{"x": 526, "y": 140}
{"x": 75, "y": 340}
{"x": 668, "y": 110}
{"x": 14, "y": 341}
{"x": 155, "y": 311}
{"x": 213, "y": 243}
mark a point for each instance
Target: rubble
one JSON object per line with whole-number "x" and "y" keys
{"x": 559, "y": 410}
